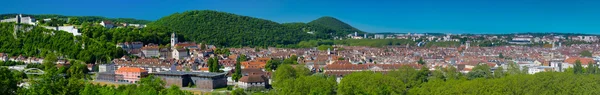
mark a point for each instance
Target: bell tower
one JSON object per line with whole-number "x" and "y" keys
{"x": 173, "y": 40}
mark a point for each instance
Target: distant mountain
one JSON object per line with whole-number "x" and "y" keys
{"x": 80, "y": 18}
{"x": 226, "y": 29}
{"x": 334, "y": 24}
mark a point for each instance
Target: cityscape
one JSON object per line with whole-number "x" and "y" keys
{"x": 215, "y": 52}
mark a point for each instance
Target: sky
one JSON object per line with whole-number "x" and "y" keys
{"x": 375, "y": 16}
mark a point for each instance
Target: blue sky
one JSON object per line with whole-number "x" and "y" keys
{"x": 442, "y": 16}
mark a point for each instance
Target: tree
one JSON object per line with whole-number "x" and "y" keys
{"x": 591, "y": 68}
{"x": 501, "y": 56}
{"x": 90, "y": 89}
{"x": 421, "y": 61}
{"x": 499, "y": 72}
{"x": 238, "y": 91}
{"x": 480, "y": 71}
{"x": 78, "y": 70}
{"x": 238, "y": 71}
{"x": 289, "y": 61}
{"x": 423, "y": 74}
{"x": 370, "y": 83}
{"x": 272, "y": 64}
{"x": 452, "y": 73}
{"x": 586, "y": 53}
{"x": 578, "y": 69}
{"x": 213, "y": 64}
{"x": 174, "y": 90}
{"x": 9, "y": 81}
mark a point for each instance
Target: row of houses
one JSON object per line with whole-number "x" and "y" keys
{"x": 26, "y": 60}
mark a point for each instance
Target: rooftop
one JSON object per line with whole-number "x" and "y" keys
{"x": 180, "y": 73}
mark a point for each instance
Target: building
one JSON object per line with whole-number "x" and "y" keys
{"x": 253, "y": 81}
{"x": 521, "y": 40}
{"x": 130, "y": 45}
{"x": 379, "y": 36}
{"x": 151, "y": 51}
{"x": 150, "y": 64}
{"x": 253, "y": 64}
{"x": 173, "y": 40}
{"x": 131, "y": 74}
{"x": 201, "y": 80}
{"x": 3, "y": 57}
{"x": 573, "y": 60}
{"x": 106, "y": 68}
{"x": 180, "y": 53}
{"x": 70, "y": 29}
{"x": 21, "y": 20}
{"x": 107, "y": 24}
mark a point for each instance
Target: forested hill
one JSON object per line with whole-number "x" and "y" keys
{"x": 335, "y": 24}
{"x": 226, "y": 29}
{"x": 80, "y": 19}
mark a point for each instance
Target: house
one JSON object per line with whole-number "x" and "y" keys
{"x": 151, "y": 51}
{"x": 107, "y": 24}
{"x": 180, "y": 53}
{"x": 201, "y": 80}
{"x": 254, "y": 64}
{"x": 131, "y": 74}
{"x": 106, "y": 68}
{"x": 3, "y": 57}
{"x": 572, "y": 60}
{"x": 253, "y": 81}
{"x": 131, "y": 45}
{"x": 150, "y": 64}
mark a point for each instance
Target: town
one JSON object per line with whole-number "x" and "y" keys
{"x": 187, "y": 64}
{"x": 299, "y": 48}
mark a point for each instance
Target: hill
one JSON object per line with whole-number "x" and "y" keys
{"x": 332, "y": 23}
{"x": 80, "y": 19}
{"x": 226, "y": 29}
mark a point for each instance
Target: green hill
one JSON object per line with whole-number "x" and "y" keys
{"x": 336, "y": 25}
{"x": 226, "y": 29}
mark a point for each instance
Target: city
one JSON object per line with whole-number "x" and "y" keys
{"x": 210, "y": 52}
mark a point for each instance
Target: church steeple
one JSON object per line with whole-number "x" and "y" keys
{"x": 173, "y": 40}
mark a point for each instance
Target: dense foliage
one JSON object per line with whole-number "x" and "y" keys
{"x": 32, "y": 41}
{"x": 9, "y": 80}
{"x": 334, "y": 24}
{"x": 226, "y": 29}
{"x": 408, "y": 80}
{"x": 74, "y": 80}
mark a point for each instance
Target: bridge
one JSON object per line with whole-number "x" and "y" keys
{"x": 34, "y": 71}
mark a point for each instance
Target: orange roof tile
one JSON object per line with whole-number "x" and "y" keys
{"x": 131, "y": 69}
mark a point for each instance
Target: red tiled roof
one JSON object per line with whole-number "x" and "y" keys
{"x": 253, "y": 78}
{"x": 584, "y": 61}
{"x": 131, "y": 69}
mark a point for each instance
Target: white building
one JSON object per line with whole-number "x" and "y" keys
{"x": 253, "y": 81}
{"x": 106, "y": 67}
{"x": 180, "y": 53}
{"x": 107, "y": 24}
{"x": 379, "y": 36}
{"x": 70, "y": 29}
{"x": 21, "y": 20}
{"x": 151, "y": 51}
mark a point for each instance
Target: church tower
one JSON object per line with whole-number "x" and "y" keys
{"x": 173, "y": 40}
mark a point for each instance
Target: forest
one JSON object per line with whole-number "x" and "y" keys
{"x": 481, "y": 80}
{"x": 75, "y": 80}
{"x": 41, "y": 42}
{"x": 231, "y": 30}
